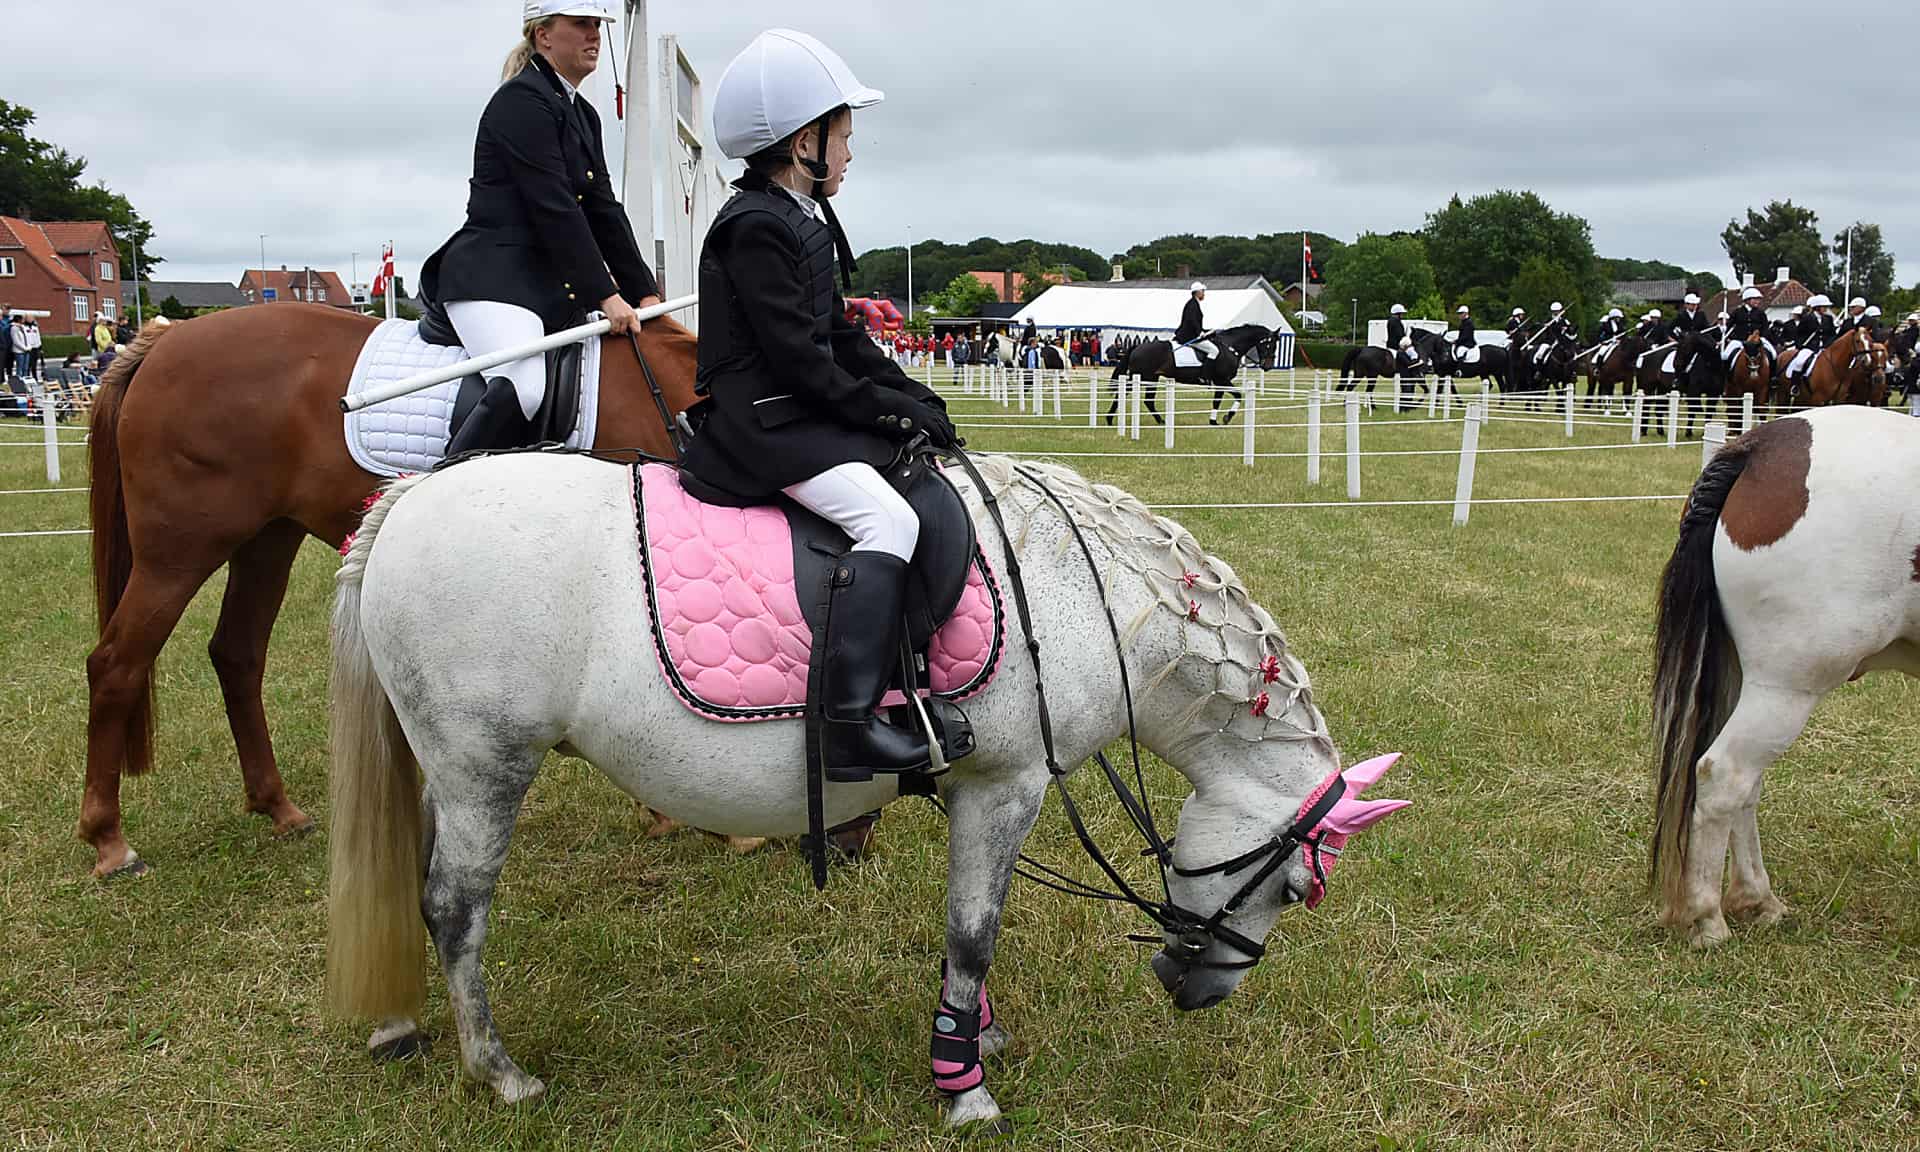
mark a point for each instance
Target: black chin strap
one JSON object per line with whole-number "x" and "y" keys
{"x": 817, "y": 168}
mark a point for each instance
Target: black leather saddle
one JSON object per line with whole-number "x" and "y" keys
{"x": 558, "y": 412}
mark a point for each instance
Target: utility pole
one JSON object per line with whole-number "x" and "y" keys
{"x": 909, "y": 274}
{"x": 138, "y": 320}
{"x": 260, "y": 285}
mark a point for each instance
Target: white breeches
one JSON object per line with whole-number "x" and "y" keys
{"x": 1800, "y": 361}
{"x": 854, "y": 497}
{"x": 486, "y": 327}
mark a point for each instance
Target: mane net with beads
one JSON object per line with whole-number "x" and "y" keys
{"x": 1253, "y": 688}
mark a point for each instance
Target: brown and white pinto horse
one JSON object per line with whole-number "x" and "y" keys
{"x": 1851, "y": 370}
{"x": 1797, "y": 569}
{"x": 229, "y": 450}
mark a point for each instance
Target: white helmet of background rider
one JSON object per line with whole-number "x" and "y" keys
{"x": 1398, "y": 310}
{"x": 1652, "y": 314}
{"x": 1556, "y": 307}
{"x": 1798, "y": 309}
{"x": 1747, "y": 294}
{"x": 1692, "y": 301}
{"x": 1873, "y": 312}
{"x": 1519, "y": 311}
{"x": 1820, "y": 301}
{"x": 541, "y": 9}
{"x": 1196, "y": 286}
{"x": 1857, "y": 302}
{"x": 1462, "y": 310}
{"x": 1615, "y": 314}
{"x": 777, "y": 85}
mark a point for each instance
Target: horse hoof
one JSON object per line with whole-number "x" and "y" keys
{"x": 1708, "y": 933}
{"x": 975, "y": 1110}
{"x": 298, "y": 829}
{"x": 1763, "y": 913}
{"x": 663, "y": 825}
{"x": 403, "y": 1041}
{"x": 745, "y": 845}
{"x": 994, "y": 1040}
{"x": 131, "y": 869}
{"x": 516, "y": 1087}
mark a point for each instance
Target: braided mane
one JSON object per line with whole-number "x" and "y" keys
{"x": 1244, "y": 653}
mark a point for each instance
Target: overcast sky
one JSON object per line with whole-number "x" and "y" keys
{"x": 333, "y": 127}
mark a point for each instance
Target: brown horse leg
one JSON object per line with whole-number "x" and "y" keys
{"x": 256, "y": 584}
{"x": 118, "y": 672}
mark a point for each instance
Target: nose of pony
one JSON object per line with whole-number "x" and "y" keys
{"x": 1171, "y": 972}
{"x": 1188, "y": 996}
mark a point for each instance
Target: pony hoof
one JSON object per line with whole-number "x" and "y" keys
{"x": 745, "y": 845}
{"x": 1709, "y": 933}
{"x": 403, "y": 1041}
{"x": 663, "y": 825}
{"x": 1764, "y": 913}
{"x": 975, "y": 1106}
{"x": 516, "y": 1087}
{"x": 994, "y": 1040}
{"x": 298, "y": 829}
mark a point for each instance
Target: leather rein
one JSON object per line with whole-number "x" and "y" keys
{"x": 1192, "y": 933}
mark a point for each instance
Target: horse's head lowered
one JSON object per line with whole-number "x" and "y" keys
{"x": 1204, "y": 960}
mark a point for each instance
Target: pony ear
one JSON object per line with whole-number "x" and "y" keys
{"x": 1351, "y": 816}
{"x": 1363, "y": 775}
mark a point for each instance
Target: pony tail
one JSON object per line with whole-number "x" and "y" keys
{"x": 522, "y": 53}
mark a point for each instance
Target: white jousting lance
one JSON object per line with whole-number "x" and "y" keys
{"x": 355, "y": 401}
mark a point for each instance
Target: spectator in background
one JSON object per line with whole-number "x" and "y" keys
{"x": 7, "y": 357}
{"x": 102, "y": 334}
{"x": 123, "y": 333}
{"x": 34, "y": 347}
{"x": 22, "y": 346}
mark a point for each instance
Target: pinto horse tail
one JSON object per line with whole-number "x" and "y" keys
{"x": 1696, "y": 676}
{"x": 107, "y": 507}
{"x": 376, "y": 939}
{"x": 1346, "y": 366}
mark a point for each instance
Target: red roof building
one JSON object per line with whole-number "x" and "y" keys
{"x": 1008, "y": 286}
{"x": 1778, "y": 298}
{"x": 300, "y": 285}
{"x": 67, "y": 269}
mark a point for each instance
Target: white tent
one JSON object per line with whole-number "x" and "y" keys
{"x": 1155, "y": 312}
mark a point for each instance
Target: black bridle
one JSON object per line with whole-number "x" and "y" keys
{"x": 1192, "y": 934}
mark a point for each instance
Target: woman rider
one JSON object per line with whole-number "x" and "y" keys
{"x": 544, "y": 240}
{"x": 799, "y": 401}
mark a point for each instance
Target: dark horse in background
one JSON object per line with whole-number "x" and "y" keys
{"x": 1608, "y": 367}
{"x": 1903, "y": 360}
{"x": 1438, "y": 351}
{"x": 1700, "y": 387}
{"x": 1371, "y": 363}
{"x": 1152, "y": 359}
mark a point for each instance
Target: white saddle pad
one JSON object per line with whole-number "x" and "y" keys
{"x": 409, "y": 433}
{"x": 1642, "y": 359}
{"x": 1541, "y": 353}
{"x": 1189, "y": 355}
{"x": 1468, "y": 355}
{"x": 1605, "y": 352}
{"x": 1667, "y": 364}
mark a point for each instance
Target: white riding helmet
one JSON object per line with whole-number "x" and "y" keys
{"x": 1196, "y": 286}
{"x": 777, "y": 85}
{"x": 1462, "y": 310}
{"x": 1556, "y": 306}
{"x": 1691, "y": 300}
{"x": 1519, "y": 311}
{"x": 1857, "y": 302}
{"x": 1820, "y": 301}
{"x": 1398, "y": 310}
{"x": 1722, "y": 316}
{"x": 1406, "y": 341}
{"x": 1615, "y": 314}
{"x": 1798, "y": 309}
{"x": 1653, "y": 314}
{"x": 541, "y": 9}
{"x": 1873, "y": 310}
{"x": 1747, "y": 294}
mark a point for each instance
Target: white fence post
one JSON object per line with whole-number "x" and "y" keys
{"x": 1059, "y": 395}
{"x": 1246, "y": 432}
{"x": 1673, "y": 419}
{"x": 1093, "y": 399}
{"x": 1446, "y": 400}
{"x": 1913, "y": 404}
{"x": 1313, "y": 436}
{"x": 1433, "y": 396}
{"x": 1746, "y": 413}
{"x": 1173, "y": 405}
{"x": 1121, "y": 386}
{"x": 1139, "y": 394}
{"x": 1639, "y": 410}
{"x": 47, "y": 403}
{"x": 1569, "y": 411}
{"x": 1469, "y": 450}
{"x": 1712, "y": 441}
{"x": 1353, "y": 446}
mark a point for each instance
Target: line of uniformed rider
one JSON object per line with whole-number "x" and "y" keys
{"x": 1398, "y": 341}
{"x": 1610, "y": 327}
{"x": 1686, "y": 322}
{"x": 543, "y": 228}
{"x": 1747, "y": 320}
{"x": 796, "y": 399}
{"x": 1193, "y": 325}
{"x": 1815, "y": 330}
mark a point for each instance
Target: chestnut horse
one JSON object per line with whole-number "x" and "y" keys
{"x": 1750, "y": 373}
{"x": 1851, "y": 370}
{"x": 230, "y": 450}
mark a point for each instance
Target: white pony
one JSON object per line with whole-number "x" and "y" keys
{"x": 1797, "y": 569}
{"x": 433, "y": 661}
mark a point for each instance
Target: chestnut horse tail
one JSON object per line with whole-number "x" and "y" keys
{"x": 1696, "y": 676}
{"x": 376, "y": 940}
{"x": 112, "y": 545}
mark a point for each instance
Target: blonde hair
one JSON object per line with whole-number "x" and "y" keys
{"x": 522, "y": 54}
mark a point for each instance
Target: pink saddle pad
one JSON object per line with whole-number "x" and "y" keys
{"x": 727, "y": 625}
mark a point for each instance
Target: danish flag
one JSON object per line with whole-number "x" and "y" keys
{"x": 385, "y": 274}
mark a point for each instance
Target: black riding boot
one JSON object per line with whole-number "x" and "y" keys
{"x": 863, "y": 650}
{"x": 495, "y": 422}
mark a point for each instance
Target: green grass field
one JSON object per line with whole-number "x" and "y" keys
{"x": 1486, "y": 972}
